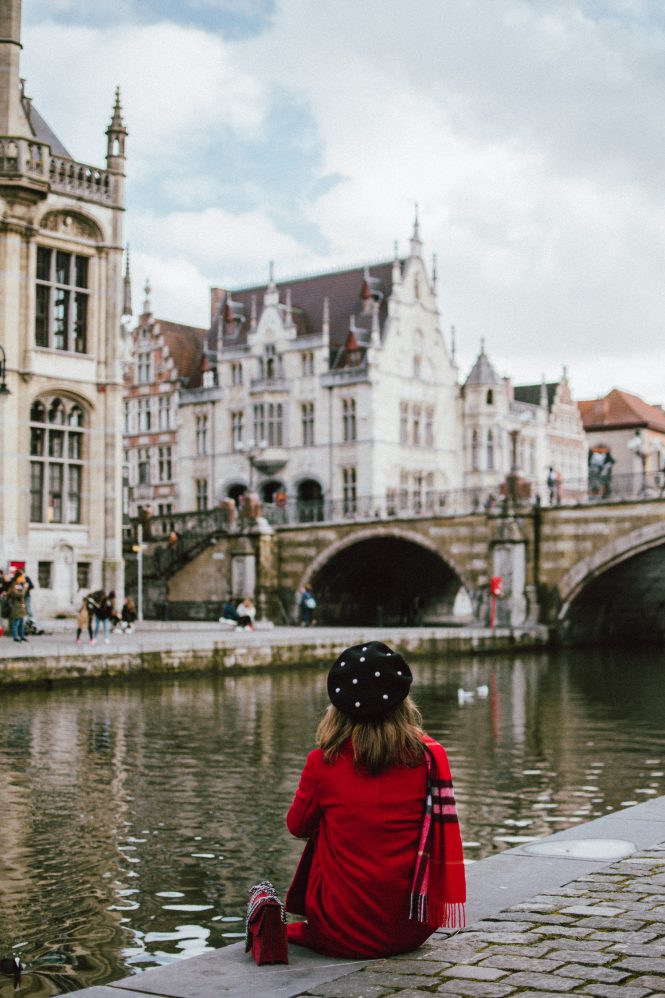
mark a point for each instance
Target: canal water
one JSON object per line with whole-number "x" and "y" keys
{"x": 136, "y": 817}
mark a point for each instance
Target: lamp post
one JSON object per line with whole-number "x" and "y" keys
{"x": 3, "y": 372}
{"x": 642, "y": 450}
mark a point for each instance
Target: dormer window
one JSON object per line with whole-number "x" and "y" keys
{"x": 490, "y": 396}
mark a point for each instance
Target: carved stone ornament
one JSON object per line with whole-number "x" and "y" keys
{"x": 69, "y": 224}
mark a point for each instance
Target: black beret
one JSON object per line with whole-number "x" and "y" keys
{"x": 367, "y": 680}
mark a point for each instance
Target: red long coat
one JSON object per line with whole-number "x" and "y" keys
{"x": 366, "y": 830}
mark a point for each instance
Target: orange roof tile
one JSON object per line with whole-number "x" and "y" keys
{"x": 621, "y": 410}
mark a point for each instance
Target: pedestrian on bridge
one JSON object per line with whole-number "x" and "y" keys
{"x": 383, "y": 866}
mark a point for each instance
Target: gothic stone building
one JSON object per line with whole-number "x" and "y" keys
{"x": 334, "y": 389}
{"x": 61, "y": 234}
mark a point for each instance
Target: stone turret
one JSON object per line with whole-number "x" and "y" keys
{"x": 116, "y": 135}
{"x": 12, "y": 120}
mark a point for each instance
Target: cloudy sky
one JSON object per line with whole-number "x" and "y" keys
{"x": 530, "y": 132}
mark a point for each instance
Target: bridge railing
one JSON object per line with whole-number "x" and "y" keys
{"x": 193, "y": 527}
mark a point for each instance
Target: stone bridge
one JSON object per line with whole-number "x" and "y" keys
{"x": 593, "y": 571}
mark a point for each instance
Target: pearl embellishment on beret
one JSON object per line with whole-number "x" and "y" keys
{"x": 355, "y": 681}
{"x": 385, "y": 696}
{"x": 357, "y": 703}
{"x": 362, "y": 658}
{"x": 377, "y": 674}
{"x": 338, "y": 690}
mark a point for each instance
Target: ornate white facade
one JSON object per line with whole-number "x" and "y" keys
{"x": 336, "y": 389}
{"x": 61, "y": 234}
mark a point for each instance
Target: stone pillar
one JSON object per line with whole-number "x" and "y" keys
{"x": 243, "y": 567}
{"x": 508, "y": 557}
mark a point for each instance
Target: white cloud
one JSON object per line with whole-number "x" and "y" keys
{"x": 180, "y": 86}
{"x": 184, "y": 253}
{"x": 529, "y": 132}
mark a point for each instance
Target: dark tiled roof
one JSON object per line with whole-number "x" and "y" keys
{"x": 344, "y": 292}
{"x": 39, "y": 128}
{"x": 531, "y": 393}
{"x": 482, "y": 372}
{"x": 185, "y": 345}
{"x": 620, "y": 410}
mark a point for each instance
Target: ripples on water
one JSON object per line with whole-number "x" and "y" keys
{"x": 135, "y": 818}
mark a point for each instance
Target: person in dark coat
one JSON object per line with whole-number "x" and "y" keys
{"x": 104, "y": 613}
{"x": 17, "y": 594}
{"x": 383, "y": 866}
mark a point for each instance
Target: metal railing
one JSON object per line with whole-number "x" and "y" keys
{"x": 194, "y": 528}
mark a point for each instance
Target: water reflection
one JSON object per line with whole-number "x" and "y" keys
{"x": 136, "y": 817}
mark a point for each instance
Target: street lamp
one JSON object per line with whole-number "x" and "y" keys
{"x": 3, "y": 373}
{"x": 641, "y": 449}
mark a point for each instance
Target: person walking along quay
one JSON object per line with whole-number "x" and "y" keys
{"x": 383, "y": 866}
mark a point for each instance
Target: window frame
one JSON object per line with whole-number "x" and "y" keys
{"x": 62, "y": 300}
{"x": 58, "y": 455}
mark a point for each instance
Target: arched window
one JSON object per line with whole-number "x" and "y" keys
{"x": 490, "y": 451}
{"x": 474, "y": 450}
{"x": 57, "y": 447}
{"x": 490, "y": 396}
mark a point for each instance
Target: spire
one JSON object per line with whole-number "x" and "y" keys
{"x": 116, "y": 134}
{"x": 271, "y": 296}
{"x": 482, "y": 344}
{"x": 325, "y": 325}
{"x": 147, "y": 307}
{"x": 252, "y": 313}
{"x": 416, "y": 244}
{"x": 376, "y": 329}
{"x": 543, "y": 392}
{"x": 127, "y": 287}
{"x": 397, "y": 266}
{"x": 434, "y": 274}
{"x": 288, "y": 307}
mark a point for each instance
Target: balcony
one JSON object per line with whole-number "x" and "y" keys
{"x": 26, "y": 163}
{"x": 344, "y": 376}
{"x": 257, "y": 385}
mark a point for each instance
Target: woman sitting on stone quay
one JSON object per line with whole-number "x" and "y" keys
{"x": 383, "y": 867}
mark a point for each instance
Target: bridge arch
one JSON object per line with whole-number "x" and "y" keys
{"x": 385, "y": 575}
{"x": 622, "y": 548}
{"x": 618, "y": 592}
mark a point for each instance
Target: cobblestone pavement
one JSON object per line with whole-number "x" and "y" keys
{"x": 602, "y": 935}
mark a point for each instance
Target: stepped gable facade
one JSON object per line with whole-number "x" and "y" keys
{"x": 566, "y": 445}
{"x": 60, "y": 363}
{"x": 632, "y": 430}
{"x": 523, "y": 428}
{"x": 163, "y": 358}
{"x": 335, "y": 386}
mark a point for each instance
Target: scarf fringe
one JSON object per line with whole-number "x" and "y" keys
{"x": 449, "y": 915}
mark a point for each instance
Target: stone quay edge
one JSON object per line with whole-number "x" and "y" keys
{"x": 180, "y": 648}
{"x": 579, "y": 912}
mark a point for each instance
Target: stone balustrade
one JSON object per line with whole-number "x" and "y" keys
{"x": 25, "y": 158}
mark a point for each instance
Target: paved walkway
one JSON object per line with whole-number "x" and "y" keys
{"x": 581, "y": 912}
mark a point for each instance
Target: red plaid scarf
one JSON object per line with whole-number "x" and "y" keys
{"x": 438, "y": 891}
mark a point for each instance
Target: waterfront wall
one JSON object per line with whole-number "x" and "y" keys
{"x": 166, "y": 653}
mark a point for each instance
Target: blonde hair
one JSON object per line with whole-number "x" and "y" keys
{"x": 392, "y": 739}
